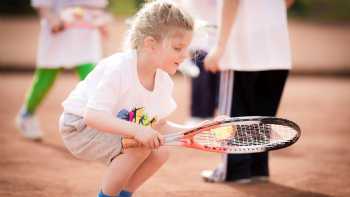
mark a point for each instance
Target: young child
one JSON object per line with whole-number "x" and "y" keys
{"x": 130, "y": 94}
{"x": 60, "y": 47}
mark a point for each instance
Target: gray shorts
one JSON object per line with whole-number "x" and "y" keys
{"x": 88, "y": 143}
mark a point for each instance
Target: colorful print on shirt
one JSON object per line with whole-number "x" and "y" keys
{"x": 136, "y": 115}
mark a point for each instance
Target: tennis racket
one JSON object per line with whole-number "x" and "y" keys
{"x": 234, "y": 135}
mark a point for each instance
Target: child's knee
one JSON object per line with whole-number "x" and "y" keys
{"x": 161, "y": 155}
{"x": 141, "y": 153}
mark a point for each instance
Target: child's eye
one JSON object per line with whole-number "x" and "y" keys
{"x": 177, "y": 49}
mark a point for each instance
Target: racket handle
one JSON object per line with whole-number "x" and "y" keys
{"x": 128, "y": 142}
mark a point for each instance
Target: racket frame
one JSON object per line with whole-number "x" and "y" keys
{"x": 185, "y": 138}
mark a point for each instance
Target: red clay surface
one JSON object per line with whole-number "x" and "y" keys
{"x": 318, "y": 165}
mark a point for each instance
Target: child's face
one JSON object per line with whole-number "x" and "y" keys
{"x": 172, "y": 51}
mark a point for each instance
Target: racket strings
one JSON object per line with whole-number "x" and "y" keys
{"x": 252, "y": 135}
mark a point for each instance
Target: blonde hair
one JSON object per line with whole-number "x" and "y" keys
{"x": 157, "y": 19}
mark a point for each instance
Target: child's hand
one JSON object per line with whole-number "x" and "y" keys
{"x": 150, "y": 138}
{"x": 157, "y": 125}
{"x": 56, "y": 24}
{"x": 104, "y": 32}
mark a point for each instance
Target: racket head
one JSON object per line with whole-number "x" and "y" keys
{"x": 243, "y": 135}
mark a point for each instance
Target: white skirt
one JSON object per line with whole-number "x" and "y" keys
{"x": 68, "y": 48}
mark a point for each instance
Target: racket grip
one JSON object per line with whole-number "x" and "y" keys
{"x": 128, "y": 142}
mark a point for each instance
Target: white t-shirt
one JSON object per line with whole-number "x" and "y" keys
{"x": 259, "y": 37}
{"x": 113, "y": 86}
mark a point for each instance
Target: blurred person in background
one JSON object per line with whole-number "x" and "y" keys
{"x": 70, "y": 37}
{"x": 253, "y": 54}
{"x": 204, "y": 85}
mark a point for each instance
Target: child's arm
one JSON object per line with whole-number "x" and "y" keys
{"x": 53, "y": 19}
{"x": 165, "y": 126}
{"x": 104, "y": 121}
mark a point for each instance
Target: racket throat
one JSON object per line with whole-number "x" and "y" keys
{"x": 187, "y": 142}
{"x": 190, "y": 143}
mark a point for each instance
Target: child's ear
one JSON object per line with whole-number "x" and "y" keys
{"x": 149, "y": 43}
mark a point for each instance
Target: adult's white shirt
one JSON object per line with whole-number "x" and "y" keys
{"x": 259, "y": 38}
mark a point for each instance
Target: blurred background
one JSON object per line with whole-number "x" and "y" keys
{"x": 319, "y": 33}
{"x": 316, "y": 96}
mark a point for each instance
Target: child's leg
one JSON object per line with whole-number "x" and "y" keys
{"x": 83, "y": 70}
{"x": 43, "y": 81}
{"x": 153, "y": 162}
{"x": 121, "y": 169}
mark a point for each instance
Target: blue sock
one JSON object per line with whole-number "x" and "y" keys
{"x": 125, "y": 193}
{"x": 101, "y": 194}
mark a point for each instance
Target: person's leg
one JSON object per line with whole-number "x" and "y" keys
{"x": 238, "y": 165}
{"x": 43, "y": 81}
{"x": 204, "y": 90}
{"x": 268, "y": 91}
{"x": 219, "y": 174}
{"x": 234, "y": 100}
{"x": 26, "y": 121}
{"x": 101, "y": 194}
{"x": 83, "y": 70}
{"x": 153, "y": 162}
{"x": 121, "y": 169}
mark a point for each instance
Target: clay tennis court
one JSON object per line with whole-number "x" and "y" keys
{"x": 318, "y": 165}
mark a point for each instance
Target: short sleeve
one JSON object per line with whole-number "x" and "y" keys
{"x": 171, "y": 107}
{"x": 39, "y": 3}
{"x": 108, "y": 91}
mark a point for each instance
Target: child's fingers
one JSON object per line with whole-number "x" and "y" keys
{"x": 57, "y": 29}
{"x": 161, "y": 139}
{"x": 156, "y": 142}
{"x": 151, "y": 143}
